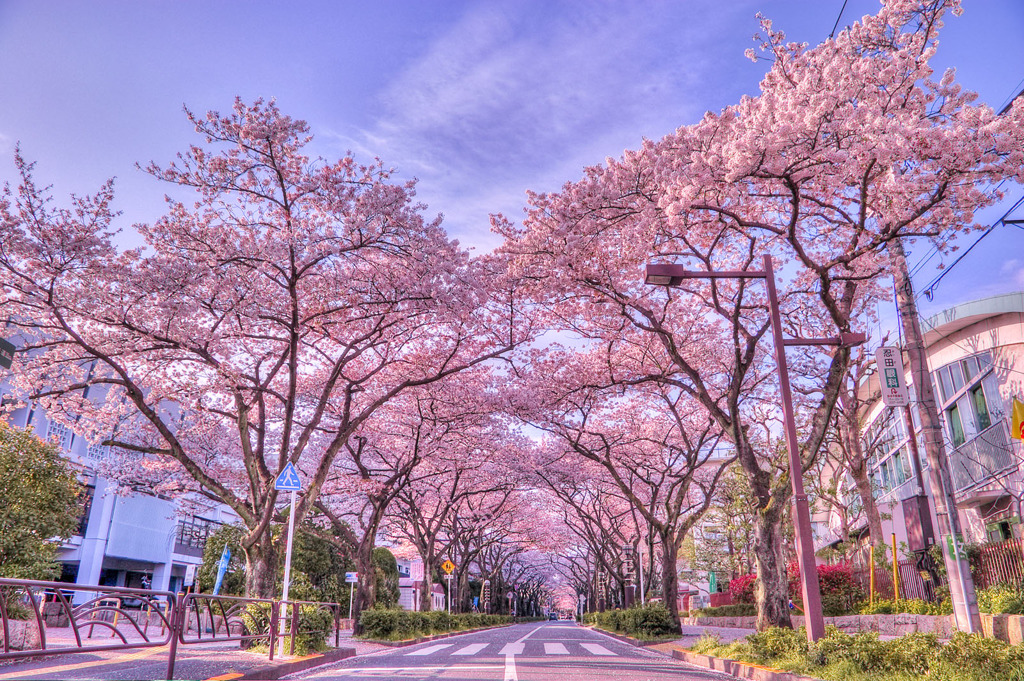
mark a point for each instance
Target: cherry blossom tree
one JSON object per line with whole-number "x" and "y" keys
{"x": 656, "y": 447}
{"x": 850, "y": 145}
{"x": 264, "y": 323}
{"x": 469, "y": 464}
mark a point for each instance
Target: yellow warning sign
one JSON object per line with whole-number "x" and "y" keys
{"x": 448, "y": 567}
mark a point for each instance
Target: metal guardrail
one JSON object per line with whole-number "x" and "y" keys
{"x": 41, "y": 618}
{"x": 126, "y": 614}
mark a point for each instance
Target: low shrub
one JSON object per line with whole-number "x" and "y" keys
{"x": 737, "y": 610}
{"x": 778, "y": 642}
{"x": 649, "y": 621}
{"x": 863, "y": 656}
{"x": 912, "y": 606}
{"x": 741, "y": 589}
{"x": 315, "y": 624}
{"x": 398, "y": 625}
{"x": 1002, "y": 599}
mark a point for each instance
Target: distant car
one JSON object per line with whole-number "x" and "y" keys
{"x": 553, "y": 617}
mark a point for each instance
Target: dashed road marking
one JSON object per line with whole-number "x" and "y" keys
{"x": 596, "y": 649}
{"x": 471, "y": 649}
{"x": 429, "y": 650}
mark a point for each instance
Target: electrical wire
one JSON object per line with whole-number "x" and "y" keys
{"x": 836, "y": 25}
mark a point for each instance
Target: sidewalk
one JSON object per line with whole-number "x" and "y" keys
{"x": 223, "y": 661}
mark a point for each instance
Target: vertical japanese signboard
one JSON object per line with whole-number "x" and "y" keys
{"x": 892, "y": 378}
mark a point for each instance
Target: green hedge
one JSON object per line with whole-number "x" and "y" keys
{"x": 841, "y": 657}
{"x": 641, "y": 621}
{"x": 398, "y": 625}
{"x": 735, "y": 610}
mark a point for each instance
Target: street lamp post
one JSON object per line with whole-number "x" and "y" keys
{"x": 627, "y": 554}
{"x": 673, "y": 275}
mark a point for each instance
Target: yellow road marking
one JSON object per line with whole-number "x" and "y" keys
{"x": 226, "y": 677}
{"x": 83, "y": 665}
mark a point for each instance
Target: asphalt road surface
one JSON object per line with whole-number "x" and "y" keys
{"x": 543, "y": 651}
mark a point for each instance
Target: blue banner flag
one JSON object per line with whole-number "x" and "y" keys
{"x": 222, "y": 568}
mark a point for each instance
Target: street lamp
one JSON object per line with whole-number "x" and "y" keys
{"x": 673, "y": 275}
{"x": 627, "y": 554}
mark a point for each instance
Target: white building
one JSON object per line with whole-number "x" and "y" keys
{"x": 411, "y": 584}
{"x": 975, "y": 354}
{"x": 132, "y": 541}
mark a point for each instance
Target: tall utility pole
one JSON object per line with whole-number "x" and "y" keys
{"x": 961, "y": 584}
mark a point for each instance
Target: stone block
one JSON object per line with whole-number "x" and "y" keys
{"x": 1015, "y": 629}
{"x": 886, "y": 625}
{"x": 24, "y": 635}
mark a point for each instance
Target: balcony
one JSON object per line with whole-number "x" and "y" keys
{"x": 979, "y": 462}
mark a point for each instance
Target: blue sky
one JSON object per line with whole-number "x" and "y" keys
{"x": 479, "y": 100}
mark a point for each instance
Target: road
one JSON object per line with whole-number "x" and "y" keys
{"x": 524, "y": 652}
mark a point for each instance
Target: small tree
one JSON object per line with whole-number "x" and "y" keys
{"x": 385, "y": 574}
{"x": 40, "y": 503}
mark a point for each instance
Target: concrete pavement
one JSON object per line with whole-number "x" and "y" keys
{"x": 524, "y": 652}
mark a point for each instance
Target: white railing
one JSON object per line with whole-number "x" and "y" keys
{"x": 984, "y": 457}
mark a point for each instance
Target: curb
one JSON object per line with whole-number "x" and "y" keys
{"x": 740, "y": 670}
{"x": 433, "y": 637}
{"x": 628, "y": 639}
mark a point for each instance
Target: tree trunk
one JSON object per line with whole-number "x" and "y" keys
{"x": 772, "y": 592}
{"x": 867, "y": 498}
{"x": 426, "y": 595}
{"x": 366, "y": 589}
{"x": 261, "y": 568}
{"x": 669, "y": 579}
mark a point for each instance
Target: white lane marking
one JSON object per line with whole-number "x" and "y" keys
{"x": 430, "y": 649}
{"x": 374, "y": 671}
{"x": 596, "y": 649}
{"x": 512, "y": 649}
{"x": 471, "y": 649}
{"x": 555, "y": 649}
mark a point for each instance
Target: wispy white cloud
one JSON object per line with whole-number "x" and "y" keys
{"x": 503, "y": 101}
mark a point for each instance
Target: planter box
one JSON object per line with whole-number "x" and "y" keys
{"x": 24, "y": 635}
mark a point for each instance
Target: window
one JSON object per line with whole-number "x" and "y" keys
{"x": 98, "y": 451}
{"x": 956, "y": 426}
{"x": 981, "y": 417}
{"x": 193, "y": 531}
{"x": 971, "y": 368}
{"x": 59, "y": 433}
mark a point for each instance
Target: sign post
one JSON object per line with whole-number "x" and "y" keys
{"x": 448, "y": 568}
{"x": 288, "y": 481}
{"x": 351, "y": 578}
{"x": 891, "y": 377}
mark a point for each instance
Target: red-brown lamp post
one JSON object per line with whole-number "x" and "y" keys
{"x": 673, "y": 275}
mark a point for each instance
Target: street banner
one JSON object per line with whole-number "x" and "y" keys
{"x": 891, "y": 377}
{"x": 222, "y": 568}
{"x": 1018, "y": 419}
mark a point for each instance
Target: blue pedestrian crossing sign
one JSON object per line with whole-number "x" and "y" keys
{"x": 288, "y": 479}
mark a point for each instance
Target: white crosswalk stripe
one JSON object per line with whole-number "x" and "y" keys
{"x": 512, "y": 649}
{"x": 430, "y": 649}
{"x": 596, "y": 649}
{"x": 471, "y": 649}
{"x": 555, "y": 649}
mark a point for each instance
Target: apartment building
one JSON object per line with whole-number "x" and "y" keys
{"x": 975, "y": 354}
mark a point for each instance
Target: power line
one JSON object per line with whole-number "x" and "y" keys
{"x": 836, "y": 25}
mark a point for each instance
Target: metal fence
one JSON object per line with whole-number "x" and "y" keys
{"x": 1001, "y": 563}
{"x": 55, "y": 618}
{"x": 912, "y": 584}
